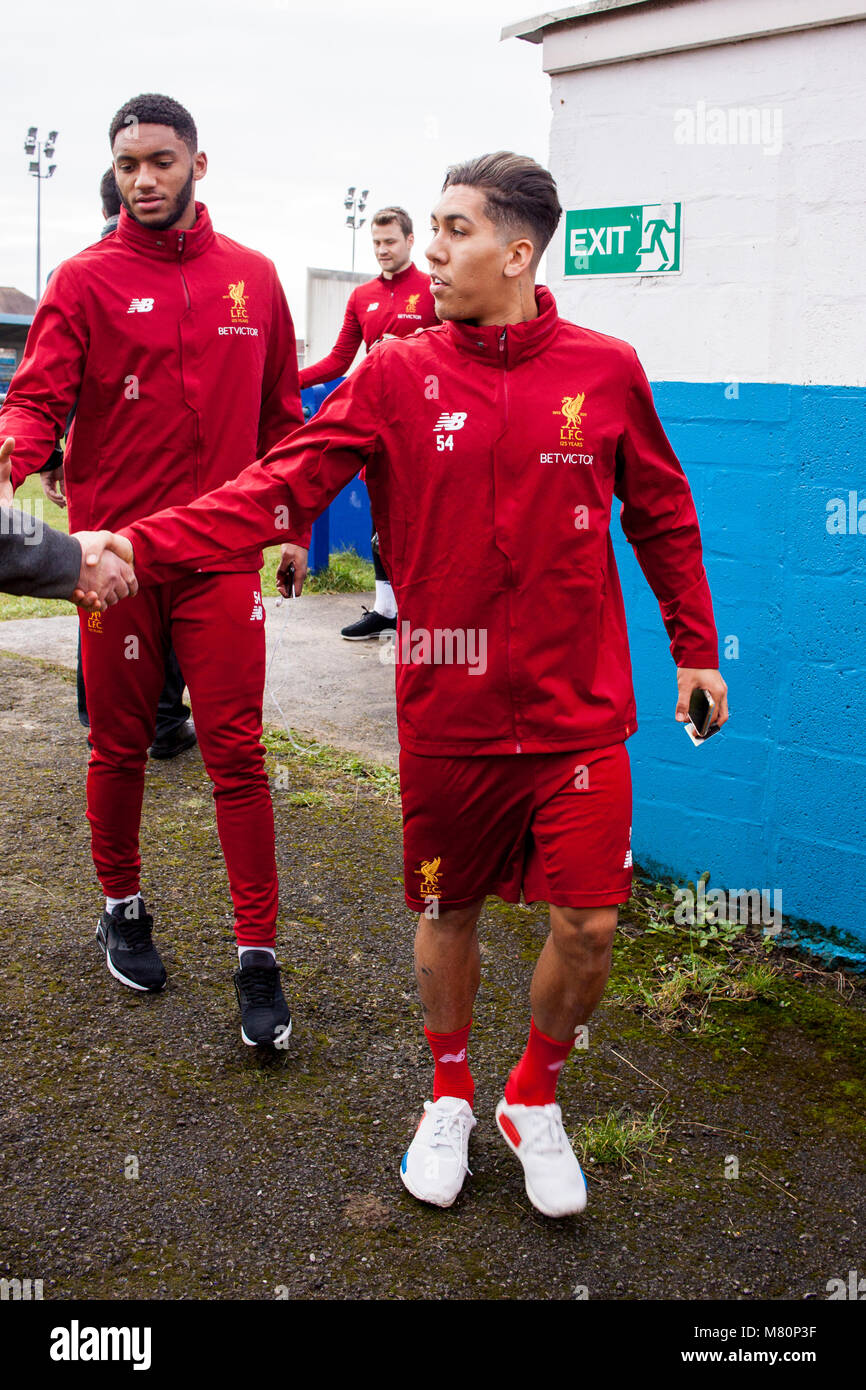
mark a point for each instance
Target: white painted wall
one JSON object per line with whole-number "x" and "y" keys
{"x": 773, "y": 287}
{"x": 327, "y": 295}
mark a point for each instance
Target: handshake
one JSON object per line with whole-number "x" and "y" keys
{"x": 106, "y": 574}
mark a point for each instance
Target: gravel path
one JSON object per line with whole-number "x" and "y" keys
{"x": 145, "y": 1153}
{"x": 338, "y": 691}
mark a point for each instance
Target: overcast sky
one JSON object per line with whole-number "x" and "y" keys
{"x": 293, "y": 102}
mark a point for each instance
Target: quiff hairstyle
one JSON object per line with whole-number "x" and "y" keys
{"x": 520, "y": 195}
{"x": 395, "y": 214}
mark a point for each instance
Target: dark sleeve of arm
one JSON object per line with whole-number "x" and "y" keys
{"x": 342, "y": 354}
{"x": 34, "y": 559}
{"x": 48, "y": 379}
{"x": 277, "y": 498}
{"x": 659, "y": 520}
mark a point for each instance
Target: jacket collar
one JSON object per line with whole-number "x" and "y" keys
{"x": 407, "y": 273}
{"x": 505, "y": 346}
{"x": 168, "y": 244}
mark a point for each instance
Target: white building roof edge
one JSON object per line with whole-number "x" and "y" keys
{"x": 606, "y": 31}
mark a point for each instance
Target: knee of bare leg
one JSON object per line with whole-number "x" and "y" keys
{"x": 454, "y": 922}
{"x": 591, "y": 929}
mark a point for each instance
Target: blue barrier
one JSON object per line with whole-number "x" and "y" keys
{"x": 346, "y": 523}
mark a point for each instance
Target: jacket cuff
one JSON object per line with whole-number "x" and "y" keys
{"x": 707, "y": 660}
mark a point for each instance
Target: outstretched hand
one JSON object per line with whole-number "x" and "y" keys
{"x": 106, "y": 574}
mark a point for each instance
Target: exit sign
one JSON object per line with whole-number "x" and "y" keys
{"x": 640, "y": 239}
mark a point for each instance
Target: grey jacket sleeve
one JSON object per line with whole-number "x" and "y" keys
{"x": 34, "y": 559}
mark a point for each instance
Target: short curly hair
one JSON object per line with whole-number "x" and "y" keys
{"x": 151, "y": 108}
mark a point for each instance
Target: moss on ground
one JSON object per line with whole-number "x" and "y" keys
{"x": 249, "y": 1164}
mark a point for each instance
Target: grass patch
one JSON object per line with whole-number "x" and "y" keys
{"x": 32, "y": 498}
{"x": 376, "y": 777}
{"x": 679, "y": 993}
{"x": 347, "y": 573}
{"x": 620, "y": 1137}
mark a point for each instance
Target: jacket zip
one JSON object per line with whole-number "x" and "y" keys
{"x": 181, "y": 238}
{"x": 518, "y": 747}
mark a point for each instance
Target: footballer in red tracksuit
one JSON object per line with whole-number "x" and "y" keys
{"x": 397, "y": 302}
{"x": 398, "y": 305}
{"x": 177, "y": 349}
{"x": 517, "y": 438}
{"x": 494, "y": 446}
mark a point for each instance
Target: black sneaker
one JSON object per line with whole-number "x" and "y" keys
{"x": 265, "y": 1017}
{"x": 183, "y": 738}
{"x": 125, "y": 936}
{"x": 371, "y": 625}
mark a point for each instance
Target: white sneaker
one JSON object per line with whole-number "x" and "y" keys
{"x": 554, "y": 1182}
{"x": 437, "y": 1160}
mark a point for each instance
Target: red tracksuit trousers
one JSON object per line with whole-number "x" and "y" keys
{"x": 217, "y": 625}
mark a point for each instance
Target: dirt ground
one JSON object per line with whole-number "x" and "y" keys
{"x": 146, "y": 1153}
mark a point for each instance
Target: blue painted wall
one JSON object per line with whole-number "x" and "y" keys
{"x": 346, "y": 524}
{"x": 778, "y": 800}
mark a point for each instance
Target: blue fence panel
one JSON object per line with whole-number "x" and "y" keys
{"x": 346, "y": 524}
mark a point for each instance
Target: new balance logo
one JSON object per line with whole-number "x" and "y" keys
{"x": 140, "y": 306}
{"x": 258, "y": 613}
{"x": 455, "y": 421}
{"x": 626, "y": 863}
{"x": 372, "y": 306}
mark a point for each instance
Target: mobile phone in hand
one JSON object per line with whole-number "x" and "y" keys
{"x": 701, "y": 709}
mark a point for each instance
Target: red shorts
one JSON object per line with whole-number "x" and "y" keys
{"x": 556, "y": 826}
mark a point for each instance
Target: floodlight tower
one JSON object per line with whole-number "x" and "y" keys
{"x": 33, "y": 145}
{"x": 354, "y": 206}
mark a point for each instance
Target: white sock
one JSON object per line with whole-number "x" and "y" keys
{"x": 112, "y": 903}
{"x": 385, "y": 603}
{"x": 269, "y": 950}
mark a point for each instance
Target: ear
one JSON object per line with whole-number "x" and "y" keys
{"x": 410, "y": 240}
{"x": 199, "y": 165}
{"x": 518, "y": 257}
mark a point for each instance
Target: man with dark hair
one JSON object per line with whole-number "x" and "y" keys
{"x": 110, "y": 199}
{"x": 494, "y": 445}
{"x": 397, "y": 302}
{"x": 144, "y": 330}
{"x": 174, "y": 733}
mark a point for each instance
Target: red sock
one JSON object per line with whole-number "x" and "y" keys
{"x": 533, "y": 1081}
{"x": 452, "y": 1076}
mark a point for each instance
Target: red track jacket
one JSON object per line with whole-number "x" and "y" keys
{"x": 179, "y": 349}
{"x": 399, "y": 306}
{"x": 492, "y": 456}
